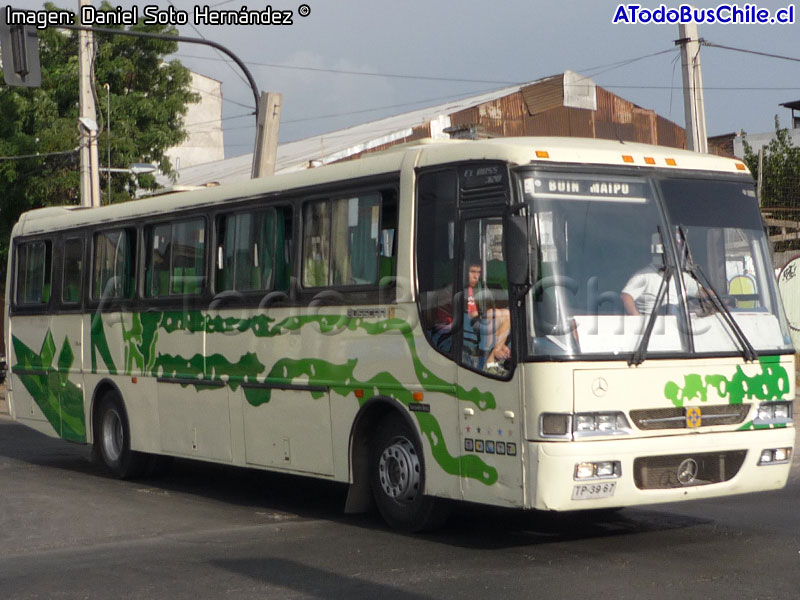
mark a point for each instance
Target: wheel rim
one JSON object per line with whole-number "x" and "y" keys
{"x": 113, "y": 436}
{"x": 399, "y": 471}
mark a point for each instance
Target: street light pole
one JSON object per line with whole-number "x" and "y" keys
{"x": 179, "y": 38}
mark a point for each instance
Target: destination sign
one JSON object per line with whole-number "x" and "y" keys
{"x": 587, "y": 188}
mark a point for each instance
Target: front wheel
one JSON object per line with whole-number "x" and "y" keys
{"x": 397, "y": 478}
{"x": 112, "y": 439}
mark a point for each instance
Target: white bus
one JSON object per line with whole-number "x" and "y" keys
{"x": 539, "y": 323}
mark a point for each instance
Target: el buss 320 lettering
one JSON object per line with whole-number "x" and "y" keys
{"x": 376, "y": 326}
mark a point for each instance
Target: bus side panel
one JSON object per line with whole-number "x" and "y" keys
{"x": 435, "y": 376}
{"x": 31, "y": 358}
{"x": 113, "y": 351}
{"x": 194, "y": 419}
{"x": 492, "y": 448}
{"x": 280, "y": 414}
{"x": 67, "y": 383}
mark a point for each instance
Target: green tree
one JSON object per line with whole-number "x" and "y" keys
{"x": 149, "y": 98}
{"x": 780, "y": 181}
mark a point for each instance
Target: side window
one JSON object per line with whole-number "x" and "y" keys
{"x": 316, "y": 244}
{"x": 247, "y": 251}
{"x": 72, "y": 276}
{"x": 486, "y": 318}
{"x": 435, "y": 250}
{"x": 33, "y": 272}
{"x": 113, "y": 273}
{"x": 175, "y": 259}
{"x": 349, "y": 241}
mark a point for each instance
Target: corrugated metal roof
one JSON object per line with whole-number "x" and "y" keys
{"x": 535, "y": 108}
{"x": 337, "y": 145}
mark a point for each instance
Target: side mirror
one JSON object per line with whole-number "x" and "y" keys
{"x": 517, "y": 250}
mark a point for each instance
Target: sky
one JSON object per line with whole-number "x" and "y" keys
{"x": 401, "y": 56}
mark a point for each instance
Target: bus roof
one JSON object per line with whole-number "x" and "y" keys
{"x": 421, "y": 153}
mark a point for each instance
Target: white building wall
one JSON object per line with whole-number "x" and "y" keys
{"x": 756, "y": 140}
{"x": 203, "y": 125}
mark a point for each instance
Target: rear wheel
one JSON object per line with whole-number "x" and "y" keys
{"x": 397, "y": 478}
{"x": 112, "y": 439}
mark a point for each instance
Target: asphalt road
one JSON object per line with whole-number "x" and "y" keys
{"x": 67, "y": 530}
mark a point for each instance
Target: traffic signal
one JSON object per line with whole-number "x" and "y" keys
{"x": 19, "y": 46}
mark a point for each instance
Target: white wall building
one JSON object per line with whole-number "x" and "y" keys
{"x": 203, "y": 120}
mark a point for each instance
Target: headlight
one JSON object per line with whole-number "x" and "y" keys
{"x": 775, "y": 456}
{"x": 607, "y": 469}
{"x": 774, "y": 413}
{"x": 567, "y": 426}
{"x": 601, "y": 423}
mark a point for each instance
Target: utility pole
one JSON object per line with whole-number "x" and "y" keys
{"x": 90, "y": 161}
{"x": 695, "y": 115}
{"x": 269, "y": 122}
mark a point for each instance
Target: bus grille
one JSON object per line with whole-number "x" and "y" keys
{"x": 665, "y": 472}
{"x": 675, "y": 418}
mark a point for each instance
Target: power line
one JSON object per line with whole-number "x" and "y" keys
{"x": 230, "y": 66}
{"x": 40, "y": 154}
{"x": 210, "y": 121}
{"x": 744, "y": 50}
{"x": 362, "y": 73}
{"x": 705, "y": 87}
{"x": 622, "y": 63}
{"x": 386, "y": 107}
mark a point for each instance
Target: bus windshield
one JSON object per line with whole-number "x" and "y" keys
{"x": 663, "y": 266}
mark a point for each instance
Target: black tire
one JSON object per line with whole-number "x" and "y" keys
{"x": 397, "y": 479}
{"x": 112, "y": 439}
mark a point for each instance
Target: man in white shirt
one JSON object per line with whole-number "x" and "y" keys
{"x": 639, "y": 294}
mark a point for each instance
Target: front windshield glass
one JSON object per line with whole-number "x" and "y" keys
{"x": 607, "y": 268}
{"x": 720, "y": 226}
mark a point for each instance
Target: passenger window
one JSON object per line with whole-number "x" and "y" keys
{"x": 349, "y": 241}
{"x": 247, "y": 250}
{"x": 33, "y": 272}
{"x": 316, "y": 244}
{"x": 113, "y": 273}
{"x": 73, "y": 271}
{"x": 436, "y": 203}
{"x": 176, "y": 259}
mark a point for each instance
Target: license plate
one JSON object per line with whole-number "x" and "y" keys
{"x": 592, "y": 491}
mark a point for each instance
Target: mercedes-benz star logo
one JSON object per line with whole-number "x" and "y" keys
{"x": 599, "y": 387}
{"x": 687, "y": 471}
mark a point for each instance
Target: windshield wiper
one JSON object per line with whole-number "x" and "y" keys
{"x": 687, "y": 263}
{"x": 638, "y": 357}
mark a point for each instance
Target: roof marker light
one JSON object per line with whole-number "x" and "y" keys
{"x": 542, "y": 154}
{"x": 649, "y": 160}
{"x": 741, "y": 166}
{"x": 671, "y": 162}
{"x": 627, "y": 158}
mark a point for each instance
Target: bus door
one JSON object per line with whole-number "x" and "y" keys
{"x": 490, "y": 421}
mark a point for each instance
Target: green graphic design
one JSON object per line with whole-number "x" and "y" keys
{"x": 772, "y": 383}
{"x": 60, "y": 400}
{"x": 341, "y": 381}
{"x": 140, "y": 339}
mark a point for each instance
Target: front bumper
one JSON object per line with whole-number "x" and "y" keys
{"x": 552, "y": 469}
